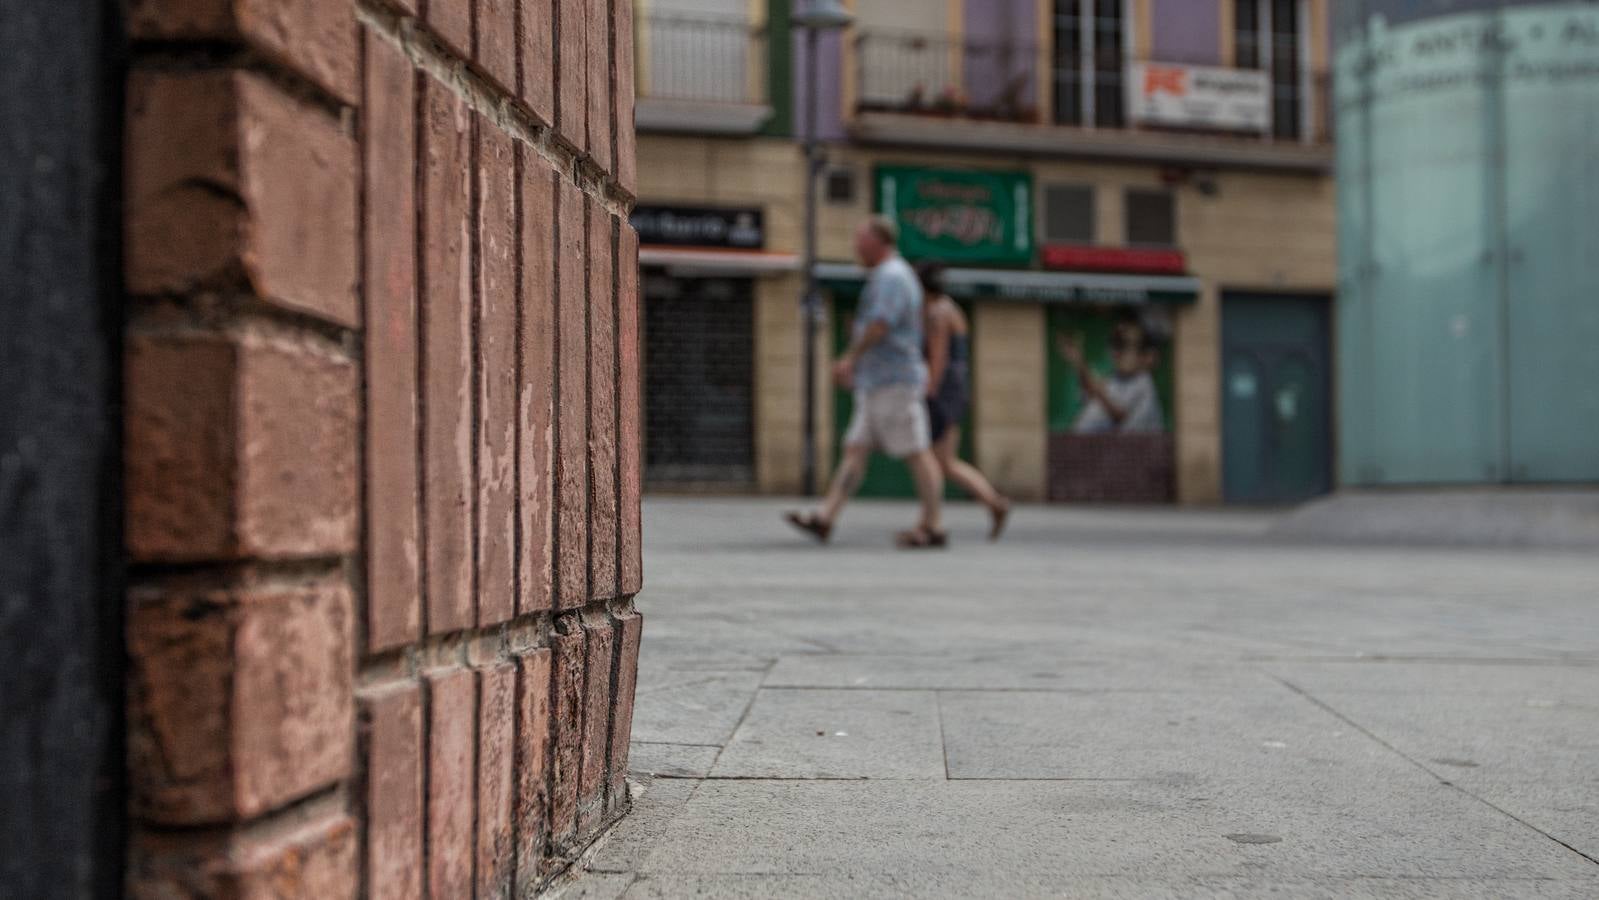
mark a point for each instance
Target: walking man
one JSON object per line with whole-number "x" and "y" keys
{"x": 884, "y": 367}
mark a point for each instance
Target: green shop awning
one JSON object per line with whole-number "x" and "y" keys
{"x": 1028, "y": 286}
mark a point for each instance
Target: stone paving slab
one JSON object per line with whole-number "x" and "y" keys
{"x": 1260, "y": 718}
{"x": 671, "y": 760}
{"x": 1089, "y": 887}
{"x": 1058, "y": 831}
{"x": 836, "y": 734}
{"x": 1075, "y": 667}
{"x": 700, "y": 711}
{"x": 1151, "y": 736}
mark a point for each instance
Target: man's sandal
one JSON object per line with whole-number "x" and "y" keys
{"x": 921, "y": 539}
{"x": 811, "y": 525}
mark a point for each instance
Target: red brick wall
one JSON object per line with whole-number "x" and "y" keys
{"x": 382, "y": 443}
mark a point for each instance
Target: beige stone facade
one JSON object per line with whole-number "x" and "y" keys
{"x": 1255, "y": 231}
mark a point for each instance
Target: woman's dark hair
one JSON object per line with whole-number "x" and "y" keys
{"x": 931, "y": 275}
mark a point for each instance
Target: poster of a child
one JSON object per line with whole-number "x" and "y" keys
{"x": 1126, "y": 400}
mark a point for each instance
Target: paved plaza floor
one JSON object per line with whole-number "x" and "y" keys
{"x": 1105, "y": 704}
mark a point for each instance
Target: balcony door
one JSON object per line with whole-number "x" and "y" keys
{"x": 1089, "y": 61}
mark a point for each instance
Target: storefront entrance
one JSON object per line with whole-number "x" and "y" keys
{"x": 1092, "y": 457}
{"x": 1276, "y": 403}
{"x": 698, "y": 382}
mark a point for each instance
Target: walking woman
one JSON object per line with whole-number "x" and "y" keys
{"x": 949, "y": 386}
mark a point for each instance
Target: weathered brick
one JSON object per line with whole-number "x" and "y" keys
{"x": 532, "y": 765}
{"x": 451, "y": 22}
{"x": 571, "y": 72}
{"x": 599, "y": 82}
{"x": 392, "y": 734}
{"x": 537, "y": 402}
{"x": 602, "y": 404}
{"x": 630, "y": 414}
{"x": 452, "y": 704}
{"x": 314, "y": 37}
{"x": 240, "y": 696}
{"x": 313, "y": 860}
{"x": 495, "y": 788}
{"x": 238, "y": 445}
{"x": 573, "y": 415}
{"x": 599, "y": 641}
{"x": 234, "y": 185}
{"x": 394, "y": 614}
{"x": 496, "y": 370}
{"x": 447, "y": 338}
{"x": 536, "y": 85}
{"x": 629, "y": 628}
{"x": 626, "y": 145}
{"x": 494, "y": 41}
{"x": 317, "y": 860}
{"x": 567, "y": 652}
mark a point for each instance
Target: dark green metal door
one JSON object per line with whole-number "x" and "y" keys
{"x": 1276, "y": 404}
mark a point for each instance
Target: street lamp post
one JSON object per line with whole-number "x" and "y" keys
{"x": 815, "y": 16}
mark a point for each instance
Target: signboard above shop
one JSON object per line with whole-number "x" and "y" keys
{"x": 959, "y": 216}
{"x": 738, "y": 228}
{"x": 1206, "y": 98}
{"x": 1094, "y": 258}
{"x": 1094, "y": 288}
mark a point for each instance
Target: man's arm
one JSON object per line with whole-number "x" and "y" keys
{"x": 844, "y": 367}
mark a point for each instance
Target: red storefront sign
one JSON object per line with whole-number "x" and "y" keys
{"x": 1089, "y": 258}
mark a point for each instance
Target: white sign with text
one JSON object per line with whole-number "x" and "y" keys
{"x": 1205, "y": 97}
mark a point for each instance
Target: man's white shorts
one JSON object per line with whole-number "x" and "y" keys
{"x": 892, "y": 419}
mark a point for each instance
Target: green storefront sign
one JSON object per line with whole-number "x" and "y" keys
{"x": 959, "y": 216}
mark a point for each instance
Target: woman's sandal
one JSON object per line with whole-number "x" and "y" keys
{"x": 810, "y": 524}
{"x": 997, "y": 517}
{"x": 921, "y": 539}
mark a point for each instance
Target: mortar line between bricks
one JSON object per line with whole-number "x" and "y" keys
{"x": 418, "y": 45}
{"x": 467, "y": 648}
{"x": 205, "y": 311}
{"x": 287, "y": 816}
{"x": 1418, "y": 764}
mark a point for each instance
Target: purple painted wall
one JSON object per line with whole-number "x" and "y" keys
{"x": 1186, "y": 31}
{"x": 1001, "y": 53}
{"x": 827, "y": 84}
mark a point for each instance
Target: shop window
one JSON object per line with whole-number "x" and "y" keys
{"x": 1267, "y": 36}
{"x": 1151, "y": 218}
{"x": 1089, "y": 62}
{"x": 1069, "y": 213}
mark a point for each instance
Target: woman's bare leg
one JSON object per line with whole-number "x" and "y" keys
{"x": 964, "y": 473}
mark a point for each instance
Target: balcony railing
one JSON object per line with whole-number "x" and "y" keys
{"x": 705, "y": 59}
{"x": 932, "y": 75}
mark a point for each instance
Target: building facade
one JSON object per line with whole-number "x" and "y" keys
{"x": 1087, "y": 169}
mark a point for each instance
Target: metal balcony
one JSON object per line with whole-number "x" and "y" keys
{"x": 701, "y": 74}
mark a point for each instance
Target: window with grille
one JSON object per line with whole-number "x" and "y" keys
{"x": 1267, "y": 36}
{"x": 1069, "y": 213}
{"x": 1090, "y": 62}
{"x": 1151, "y": 218}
